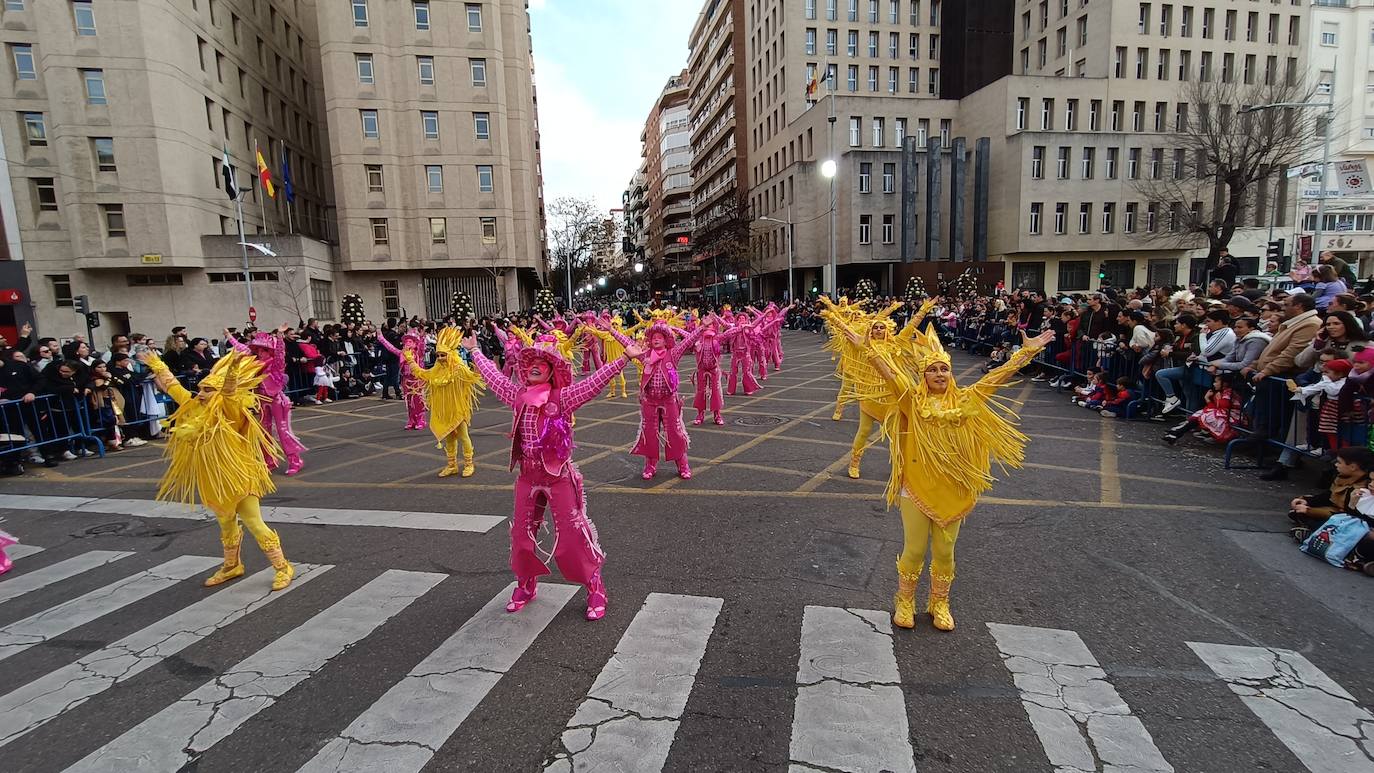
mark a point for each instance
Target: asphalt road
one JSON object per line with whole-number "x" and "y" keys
{"x": 1119, "y": 603}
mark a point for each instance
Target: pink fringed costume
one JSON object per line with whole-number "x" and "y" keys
{"x": 411, "y": 385}
{"x": 275, "y": 416}
{"x": 593, "y": 356}
{"x": 541, "y": 451}
{"x": 707, "y": 376}
{"x": 659, "y": 401}
{"x": 741, "y": 363}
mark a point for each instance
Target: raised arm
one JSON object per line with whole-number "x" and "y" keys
{"x": 505, "y": 390}
{"x": 238, "y": 345}
{"x": 500, "y": 334}
{"x": 387, "y": 345}
{"x": 163, "y": 378}
{"x": 582, "y": 392}
{"x": 686, "y": 343}
{"x": 1001, "y": 376}
{"x": 914, "y": 324}
{"x": 408, "y": 358}
{"x": 523, "y": 335}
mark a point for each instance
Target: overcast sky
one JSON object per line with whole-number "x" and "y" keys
{"x": 599, "y": 66}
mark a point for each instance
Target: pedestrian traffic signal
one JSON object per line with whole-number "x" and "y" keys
{"x": 1102, "y": 271}
{"x": 1274, "y": 251}
{"x": 81, "y": 304}
{"x": 92, "y": 320}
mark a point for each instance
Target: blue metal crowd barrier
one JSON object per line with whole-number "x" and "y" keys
{"x": 46, "y": 424}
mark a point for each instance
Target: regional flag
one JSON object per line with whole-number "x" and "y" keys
{"x": 231, "y": 186}
{"x": 813, "y": 85}
{"x": 286, "y": 176}
{"x": 265, "y": 175}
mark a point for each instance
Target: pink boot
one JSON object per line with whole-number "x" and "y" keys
{"x": 596, "y": 598}
{"x": 522, "y": 595}
{"x": 649, "y": 469}
{"x": 684, "y": 470}
{"x": 719, "y": 420}
{"x": 697, "y": 421}
{"x": 294, "y": 465}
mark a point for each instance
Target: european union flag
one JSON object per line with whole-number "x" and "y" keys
{"x": 286, "y": 176}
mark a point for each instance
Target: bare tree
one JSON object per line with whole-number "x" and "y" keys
{"x": 575, "y": 227}
{"x": 291, "y": 292}
{"x": 728, "y": 238}
{"x": 1219, "y": 160}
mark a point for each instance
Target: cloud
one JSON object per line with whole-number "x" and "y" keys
{"x": 586, "y": 151}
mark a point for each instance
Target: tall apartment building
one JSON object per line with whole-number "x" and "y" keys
{"x": 718, "y": 100}
{"x": 122, "y": 113}
{"x": 666, "y": 150}
{"x": 1338, "y": 44}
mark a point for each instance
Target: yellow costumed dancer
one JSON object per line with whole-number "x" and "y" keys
{"x": 944, "y": 439}
{"x": 451, "y": 391}
{"x": 858, "y": 377}
{"x": 844, "y": 317}
{"x": 612, "y": 347}
{"x": 217, "y": 451}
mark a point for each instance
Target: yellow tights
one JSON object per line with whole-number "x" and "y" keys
{"x": 918, "y": 532}
{"x": 451, "y": 443}
{"x": 619, "y": 377}
{"x": 249, "y": 511}
{"x": 866, "y": 423}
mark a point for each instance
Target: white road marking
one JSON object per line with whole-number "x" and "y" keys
{"x": 147, "y": 508}
{"x": 54, "y": 621}
{"x": 1316, "y": 718}
{"x": 16, "y": 552}
{"x": 182, "y": 731}
{"x": 60, "y": 691}
{"x": 633, "y": 710}
{"x": 1082, "y": 721}
{"x": 406, "y": 726}
{"x": 14, "y": 586}
{"x": 850, "y": 713}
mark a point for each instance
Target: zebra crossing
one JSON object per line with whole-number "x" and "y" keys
{"x": 849, "y": 710}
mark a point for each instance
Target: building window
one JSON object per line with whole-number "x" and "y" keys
{"x": 865, "y": 229}
{"x": 61, "y": 290}
{"x": 359, "y": 13}
{"x": 946, "y": 127}
{"x": 810, "y": 41}
{"x": 24, "y": 68}
{"x": 322, "y": 298}
{"x": 14, "y": 5}
{"x": 391, "y": 297}
{"x": 486, "y": 182}
{"x": 830, "y": 10}
{"x": 45, "y": 193}
{"x": 1128, "y": 220}
{"x": 374, "y": 178}
{"x": 35, "y": 129}
{"x": 479, "y": 71}
{"x": 1329, "y": 30}
{"x": 1110, "y": 163}
{"x": 873, "y": 79}
{"x": 872, "y": 45}
{"x": 95, "y": 86}
{"x": 370, "y": 129}
{"x": 1089, "y": 160}
{"x": 1108, "y": 218}
{"x": 474, "y": 17}
{"x": 889, "y": 178}
{"x": 426, "y": 66}
{"x": 933, "y": 74}
{"x": 1061, "y": 166}
{"x": 421, "y": 18}
{"x": 853, "y": 81}
{"x": 832, "y": 42}
{"x": 879, "y": 132}
{"x": 865, "y": 178}
{"x": 482, "y": 125}
{"x": 429, "y": 123}
{"x": 1022, "y": 107}
{"x": 1046, "y": 114}
{"x": 165, "y": 279}
{"x": 438, "y": 230}
{"x": 379, "y": 232}
{"x": 1038, "y": 162}
{"x": 1085, "y": 218}
{"x": 1074, "y": 275}
{"x": 899, "y": 132}
{"x": 855, "y": 131}
{"x": 811, "y": 9}
{"x": 888, "y": 229}
{"x": 364, "y": 62}
{"x": 1036, "y": 211}
{"x": 103, "y": 150}
{"x": 113, "y": 217}
{"x": 84, "y": 17}
{"x": 1061, "y": 216}
{"x": 434, "y": 178}
{"x": 488, "y": 230}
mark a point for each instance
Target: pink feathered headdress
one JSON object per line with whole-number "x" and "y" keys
{"x": 268, "y": 342}
{"x": 545, "y": 348}
{"x": 661, "y": 328}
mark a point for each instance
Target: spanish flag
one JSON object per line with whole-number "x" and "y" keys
{"x": 265, "y": 175}
{"x": 813, "y": 85}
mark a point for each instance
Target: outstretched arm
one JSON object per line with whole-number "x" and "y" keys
{"x": 237, "y": 345}
{"x": 387, "y": 345}
{"x": 163, "y": 378}
{"x": 686, "y": 343}
{"x": 1001, "y": 376}
{"x": 914, "y": 324}
{"x": 505, "y": 390}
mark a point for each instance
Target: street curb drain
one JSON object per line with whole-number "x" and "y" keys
{"x": 760, "y": 421}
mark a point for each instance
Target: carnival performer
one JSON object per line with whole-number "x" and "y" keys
{"x": 860, "y": 377}
{"x": 543, "y": 400}
{"x": 943, "y": 439}
{"x": 659, "y": 401}
{"x": 611, "y": 346}
{"x": 269, "y": 348}
{"x": 217, "y": 452}
{"x": 451, "y": 389}
{"x": 850, "y": 314}
{"x": 707, "y": 375}
{"x": 762, "y": 345}
{"x": 592, "y": 355}
{"x": 511, "y": 341}
{"x": 741, "y": 365}
{"x": 413, "y": 343}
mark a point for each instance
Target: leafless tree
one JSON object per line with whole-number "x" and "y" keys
{"x": 1214, "y": 166}
{"x": 728, "y": 238}
{"x": 575, "y": 227}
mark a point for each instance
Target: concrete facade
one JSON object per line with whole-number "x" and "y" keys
{"x": 718, "y": 100}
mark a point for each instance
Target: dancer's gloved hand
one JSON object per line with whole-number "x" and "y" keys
{"x": 470, "y": 343}
{"x": 634, "y": 351}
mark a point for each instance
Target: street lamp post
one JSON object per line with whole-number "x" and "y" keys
{"x": 1330, "y": 107}
{"x": 791, "y": 287}
{"x": 828, "y": 170}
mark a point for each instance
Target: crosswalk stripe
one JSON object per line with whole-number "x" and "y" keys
{"x": 317, "y": 516}
{"x": 1311, "y": 714}
{"x": 60, "y": 691}
{"x": 14, "y": 587}
{"x": 407, "y": 725}
{"x": 19, "y": 636}
{"x": 633, "y": 709}
{"x": 182, "y": 731}
{"x": 849, "y": 714}
{"x": 16, "y": 552}
{"x": 1082, "y": 721}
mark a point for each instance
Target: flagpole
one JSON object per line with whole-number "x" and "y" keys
{"x": 243, "y": 245}
{"x": 262, "y": 205}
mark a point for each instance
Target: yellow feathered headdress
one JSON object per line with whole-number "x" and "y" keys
{"x": 926, "y": 350}
{"x": 449, "y": 339}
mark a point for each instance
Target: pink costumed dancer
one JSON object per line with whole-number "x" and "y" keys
{"x": 659, "y": 401}
{"x": 774, "y": 319}
{"x": 593, "y": 357}
{"x": 510, "y": 349}
{"x": 411, "y": 386}
{"x": 541, "y": 449}
{"x": 270, "y": 350}
{"x": 741, "y": 365}
{"x": 707, "y": 376}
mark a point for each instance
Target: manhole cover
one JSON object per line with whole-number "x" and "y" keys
{"x": 759, "y": 421}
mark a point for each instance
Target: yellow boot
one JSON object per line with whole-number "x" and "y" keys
{"x": 468, "y": 467}
{"x": 232, "y": 566}
{"x": 271, "y": 548}
{"x": 938, "y": 607}
{"x": 854, "y": 465}
{"x": 904, "y": 603}
{"x": 451, "y": 468}
{"x": 838, "y": 414}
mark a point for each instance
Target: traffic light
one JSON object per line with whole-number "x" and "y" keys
{"x": 1274, "y": 251}
{"x": 1101, "y": 270}
{"x": 92, "y": 320}
{"x": 81, "y": 304}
